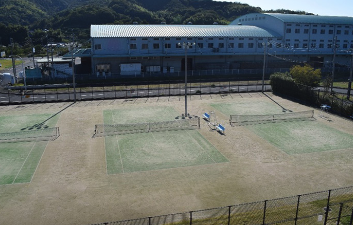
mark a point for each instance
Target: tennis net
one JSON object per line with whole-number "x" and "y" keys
{"x": 250, "y": 119}
{"x": 47, "y": 134}
{"x": 115, "y": 129}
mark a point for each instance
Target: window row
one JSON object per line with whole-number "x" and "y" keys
{"x": 316, "y": 31}
{"x": 157, "y": 46}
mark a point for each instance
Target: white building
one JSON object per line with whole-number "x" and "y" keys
{"x": 237, "y": 48}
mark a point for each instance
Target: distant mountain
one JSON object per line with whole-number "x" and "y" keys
{"x": 65, "y": 15}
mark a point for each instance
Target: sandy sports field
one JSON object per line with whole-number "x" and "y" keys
{"x": 71, "y": 183}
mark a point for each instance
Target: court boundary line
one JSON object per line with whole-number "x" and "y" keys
{"x": 24, "y": 162}
{"x": 39, "y": 161}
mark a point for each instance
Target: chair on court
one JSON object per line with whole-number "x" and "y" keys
{"x": 220, "y": 128}
{"x": 206, "y": 116}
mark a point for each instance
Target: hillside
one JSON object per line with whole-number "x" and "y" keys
{"x": 62, "y": 17}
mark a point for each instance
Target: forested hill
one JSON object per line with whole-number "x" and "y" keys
{"x": 80, "y": 13}
{"x": 20, "y": 16}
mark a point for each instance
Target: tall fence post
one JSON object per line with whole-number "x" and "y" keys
{"x": 264, "y": 217}
{"x": 229, "y": 210}
{"x": 297, "y": 211}
{"x": 351, "y": 221}
{"x": 149, "y": 221}
{"x": 340, "y": 213}
{"x": 327, "y": 206}
{"x": 190, "y": 217}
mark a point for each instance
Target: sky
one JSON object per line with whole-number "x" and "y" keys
{"x": 320, "y": 7}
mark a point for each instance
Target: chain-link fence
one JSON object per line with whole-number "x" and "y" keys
{"x": 57, "y": 93}
{"x": 325, "y": 207}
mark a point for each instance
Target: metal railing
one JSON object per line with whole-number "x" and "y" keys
{"x": 323, "y": 207}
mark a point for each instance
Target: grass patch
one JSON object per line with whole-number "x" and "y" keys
{"x": 248, "y": 108}
{"x": 19, "y": 160}
{"x": 298, "y": 137}
{"x": 154, "y": 150}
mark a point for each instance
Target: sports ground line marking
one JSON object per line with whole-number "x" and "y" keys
{"x": 203, "y": 148}
{"x": 121, "y": 160}
{"x": 39, "y": 162}
{"x": 23, "y": 163}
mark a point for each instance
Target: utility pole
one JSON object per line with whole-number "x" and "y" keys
{"x": 73, "y": 67}
{"x": 13, "y": 59}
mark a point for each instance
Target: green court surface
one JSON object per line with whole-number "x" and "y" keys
{"x": 159, "y": 150}
{"x": 19, "y": 160}
{"x": 248, "y": 108}
{"x": 155, "y": 150}
{"x": 298, "y": 137}
{"x": 140, "y": 115}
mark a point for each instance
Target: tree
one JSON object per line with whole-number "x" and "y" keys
{"x": 306, "y": 75}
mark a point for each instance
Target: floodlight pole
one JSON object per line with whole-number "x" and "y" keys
{"x": 186, "y": 46}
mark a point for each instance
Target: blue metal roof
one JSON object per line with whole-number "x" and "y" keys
{"x": 146, "y": 31}
{"x": 312, "y": 19}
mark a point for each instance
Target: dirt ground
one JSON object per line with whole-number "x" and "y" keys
{"x": 71, "y": 185}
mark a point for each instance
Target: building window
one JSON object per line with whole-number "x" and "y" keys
{"x": 167, "y": 39}
{"x": 321, "y": 45}
{"x": 278, "y": 45}
{"x": 305, "y": 45}
{"x": 97, "y": 46}
{"x": 288, "y": 31}
{"x": 313, "y": 45}
{"x": 338, "y": 31}
{"x": 297, "y": 31}
{"x": 250, "y": 45}
{"x": 156, "y": 39}
{"x": 330, "y": 31}
{"x": 221, "y": 45}
{"x": 200, "y": 45}
{"x": 167, "y": 45}
{"x": 314, "y": 31}
{"x": 345, "y": 45}
{"x": 155, "y": 46}
{"x": 200, "y": 39}
{"x": 240, "y": 45}
{"x": 296, "y": 45}
{"x": 230, "y": 45}
{"x": 322, "y": 31}
{"x": 346, "y": 32}
{"x": 133, "y": 46}
{"x": 177, "y": 45}
{"x": 210, "y": 45}
{"x": 144, "y": 39}
{"x": 306, "y": 31}
{"x": 329, "y": 45}
{"x": 144, "y": 46}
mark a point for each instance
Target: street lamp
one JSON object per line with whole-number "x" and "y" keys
{"x": 186, "y": 46}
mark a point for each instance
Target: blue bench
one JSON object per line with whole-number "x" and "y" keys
{"x": 206, "y": 116}
{"x": 220, "y": 128}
